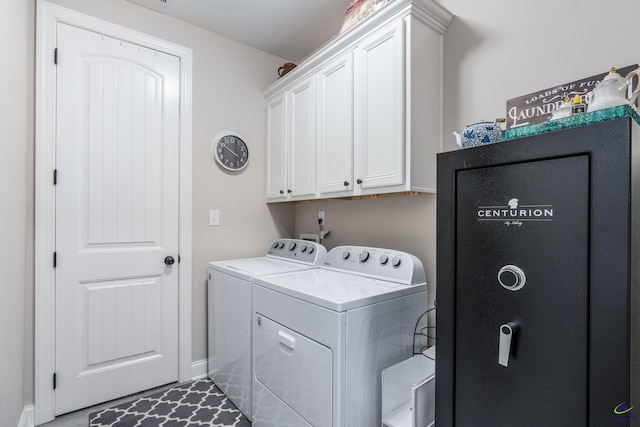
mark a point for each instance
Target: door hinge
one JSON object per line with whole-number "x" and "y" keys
{"x": 54, "y": 381}
{"x": 55, "y": 56}
{"x": 55, "y": 259}
{"x": 55, "y": 176}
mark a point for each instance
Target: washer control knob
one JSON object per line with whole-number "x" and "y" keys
{"x": 311, "y": 249}
{"x": 275, "y": 245}
{"x": 384, "y": 260}
{"x": 511, "y": 277}
{"x": 346, "y": 255}
{"x": 364, "y": 256}
{"x": 292, "y": 246}
{"x": 396, "y": 261}
{"x": 280, "y": 245}
{"x": 303, "y": 248}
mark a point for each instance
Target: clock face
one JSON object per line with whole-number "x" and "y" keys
{"x": 231, "y": 152}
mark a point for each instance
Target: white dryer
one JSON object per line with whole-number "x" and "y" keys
{"x": 229, "y": 312}
{"x": 322, "y": 337}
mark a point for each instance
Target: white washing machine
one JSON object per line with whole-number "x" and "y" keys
{"x": 229, "y": 312}
{"x": 322, "y": 337}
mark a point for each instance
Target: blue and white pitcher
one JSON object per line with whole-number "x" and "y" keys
{"x": 478, "y": 133}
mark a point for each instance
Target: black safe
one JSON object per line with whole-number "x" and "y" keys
{"x": 537, "y": 280}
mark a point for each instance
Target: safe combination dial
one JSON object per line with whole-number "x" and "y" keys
{"x": 511, "y": 277}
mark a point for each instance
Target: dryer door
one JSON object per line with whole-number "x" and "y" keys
{"x": 295, "y": 368}
{"x": 522, "y": 294}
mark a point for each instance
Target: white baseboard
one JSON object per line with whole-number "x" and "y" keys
{"x": 27, "y": 417}
{"x": 199, "y": 369}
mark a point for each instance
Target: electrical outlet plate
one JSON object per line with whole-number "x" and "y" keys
{"x": 310, "y": 237}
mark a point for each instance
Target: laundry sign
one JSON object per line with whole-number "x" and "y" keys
{"x": 538, "y": 106}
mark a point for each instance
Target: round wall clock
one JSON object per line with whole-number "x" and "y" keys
{"x": 230, "y": 151}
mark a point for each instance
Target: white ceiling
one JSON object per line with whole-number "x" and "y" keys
{"x": 289, "y": 29}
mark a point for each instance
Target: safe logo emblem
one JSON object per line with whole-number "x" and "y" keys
{"x": 622, "y": 412}
{"x": 514, "y": 213}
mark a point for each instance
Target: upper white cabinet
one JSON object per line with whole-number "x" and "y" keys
{"x": 276, "y": 150}
{"x": 379, "y": 108}
{"x": 335, "y": 125}
{"x": 363, "y": 115}
{"x": 302, "y": 142}
{"x": 291, "y": 143}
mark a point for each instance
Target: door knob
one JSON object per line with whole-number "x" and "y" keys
{"x": 169, "y": 260}
{"x": 359, "y": 181}
{"x": 506, "y": 343}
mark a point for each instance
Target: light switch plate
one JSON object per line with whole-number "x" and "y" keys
{"x": 214, "y": 217}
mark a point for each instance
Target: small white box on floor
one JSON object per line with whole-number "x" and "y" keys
{"x": 408, "y": 392}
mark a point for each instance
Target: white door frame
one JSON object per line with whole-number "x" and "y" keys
{"x": 48, "y": 16}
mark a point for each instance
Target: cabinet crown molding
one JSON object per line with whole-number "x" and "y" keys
{"x": 428, "y": 11}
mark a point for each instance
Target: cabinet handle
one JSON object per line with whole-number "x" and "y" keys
{"x": 359, "y": 181}
{"x": 281, "y": 191}
{"x": 289, "y": 191}
{"x": 346, "y": 183}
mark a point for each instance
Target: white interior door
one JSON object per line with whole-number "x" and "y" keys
{"x": 117, "y": 204}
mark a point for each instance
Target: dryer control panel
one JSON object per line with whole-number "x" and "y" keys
{"x": 385, "y": 264}
{"x": 303, "y": 251}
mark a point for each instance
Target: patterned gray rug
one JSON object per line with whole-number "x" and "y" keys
{"x": 199, "y": 403}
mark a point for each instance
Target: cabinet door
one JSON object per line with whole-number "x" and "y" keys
{"x": 335, "y": 126}
{"x": 302, "y": 141}
{"x": 379, "y": 108}
{"x": 276, "y": 148}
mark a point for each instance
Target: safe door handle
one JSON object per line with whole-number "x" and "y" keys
{"x": 507, "y": 332}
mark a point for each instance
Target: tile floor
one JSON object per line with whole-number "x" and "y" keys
{"x": 81, "y": 418}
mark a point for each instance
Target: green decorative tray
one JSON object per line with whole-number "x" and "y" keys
{"x": 572, "y": 122}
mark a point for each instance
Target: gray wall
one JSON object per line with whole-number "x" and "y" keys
{"x": 227, "y": 82}
{"x": 16, "y": 116}
{"x": 494, "y": 50}
{"x": 405, "y": 223}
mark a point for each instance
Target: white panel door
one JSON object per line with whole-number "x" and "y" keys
{"x": 335, "y": 126}
{"x": 379, "y": 111}
{"x": 117, "y": 154}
